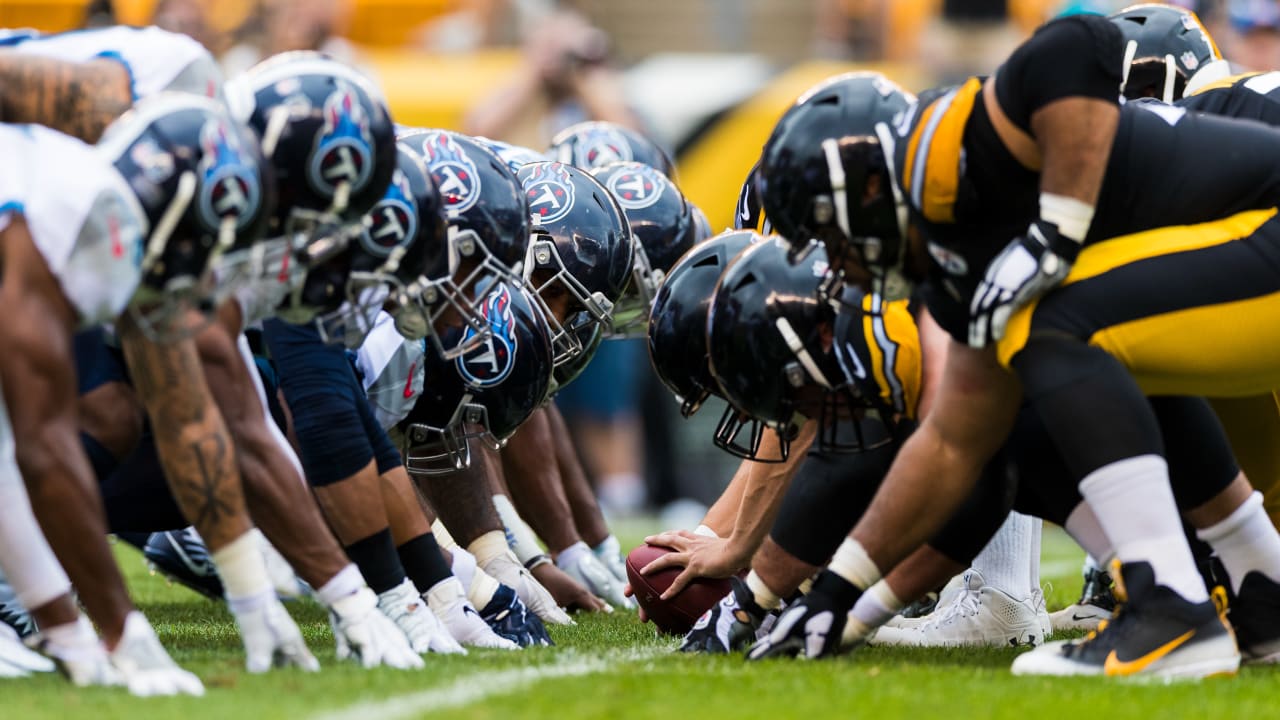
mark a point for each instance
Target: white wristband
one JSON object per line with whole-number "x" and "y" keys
{"x": 705, "y": 531}
{"x": 1071, "y": 216}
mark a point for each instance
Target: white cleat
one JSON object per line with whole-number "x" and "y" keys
{"x": 406, "y": 608}
{"x": 271, "y": 638}
{"x": 506, "y": 569}
{"x": 1042, "y": 613}
{"x": 448, "y": 601}
{"x": 145, "y": 666}
{"x": 945, "y": 597}
{"x": 16, "y": 660}
{"x": 1096, "y": 603}
{"x": 364, "y": 633}
{"x": 976, "y": 616}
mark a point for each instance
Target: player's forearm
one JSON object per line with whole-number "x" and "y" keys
{"x": 79, "y": 99}
{"x": 464, "y": 500}
{"x": 539, "y": 497}
{"x": 1075, "y": 136}
{"x": 195, "y": 449}
{"x": 582, "y": 499}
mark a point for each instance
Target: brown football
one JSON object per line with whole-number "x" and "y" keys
{"x": 678, "y": 614}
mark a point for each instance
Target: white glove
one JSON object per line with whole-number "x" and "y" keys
{"x": 271, "y": 638}
{"x": 1031, "y": 265}
{"x": 404, "y": 605}
{"x": 286, "y": 582}
{"x": 17, "y": 661}
{"x": 609, "y": 552}
{"x": 448, "y": 601}
{"x": 506, "y": 569}
{"x": 364, "y": 633}
{"x": 579, "y": 563}
{"x": 145, "y": 666}
{"x": 78, "y": 654}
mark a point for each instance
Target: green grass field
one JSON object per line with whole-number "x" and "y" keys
{"x": 614, "y": 667}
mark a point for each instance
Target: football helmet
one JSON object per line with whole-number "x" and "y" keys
{"x": 205, "y": 190}
{"x": 486, "y": 393}
{"x": 589, "y": 145}
{"x": 582, "y": 252}
{"x": 590, "y": 335}
{"x": 1168, "y": 53}
{"x": 515, "y": 156}
{"x": 827, "y": 172}
{"x": 664, "y": 227}
{"x": 704, "y": 225}
{"x": 769, "y": 337}
{"x": 400, "y": 252}
{"x": 488, "y": 223}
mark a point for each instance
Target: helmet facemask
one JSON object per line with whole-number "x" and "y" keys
{"x": 545, "y": 274}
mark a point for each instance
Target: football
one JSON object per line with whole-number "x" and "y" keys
{"x": 677, "y": 615}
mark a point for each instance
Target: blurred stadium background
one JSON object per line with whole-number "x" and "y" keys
{"x": 706, "y": 78}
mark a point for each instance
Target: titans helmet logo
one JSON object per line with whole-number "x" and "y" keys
{"x": 491, "y": 363}
{"x": 343, "y": 151}
{"x": 549, "y": 192}
{"x": 636, "y": 188}
{"x": 228, "y": 183}
{"x": 393, "y": 222}
{"x": 454, "y": 171}
{"x": 600, "y": 145}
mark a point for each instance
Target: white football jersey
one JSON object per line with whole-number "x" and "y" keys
{"x": 391, "y": 370}
{"x": 157, "y": 60}
{"x": 81, "y": 214}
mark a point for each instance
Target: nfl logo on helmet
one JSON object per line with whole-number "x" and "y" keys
{"x": 228, "y": 185}
{"x": 491, "y": 363}
{"x": 344, "y": 147}
{"x": 549, "y": 190}
{"x": 393, "y": 222}
{"x": 455, "y": 174}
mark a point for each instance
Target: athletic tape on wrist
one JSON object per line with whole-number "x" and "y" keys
{"x": 1071, "y": 216}
{"x": 852, "y": 563}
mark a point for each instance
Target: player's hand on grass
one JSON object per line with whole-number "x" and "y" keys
{"x": 581, "y": 564}
{"x": 568, "y": 592}
{"x": 506, "y": 569}
{"x": 364, "y": 633}
{"x": 271, "y": 638}
{"x": 144, "y": 665}
{"x": 699, "y": 555}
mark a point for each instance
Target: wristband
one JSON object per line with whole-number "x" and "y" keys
{"x": 1072, "y": 217}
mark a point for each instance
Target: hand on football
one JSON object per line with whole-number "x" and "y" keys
{"x": 700, "y": 556}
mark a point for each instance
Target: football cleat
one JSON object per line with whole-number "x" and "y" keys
{"x": 449, "y": 602}
{"x": 1095, "y": 605}
{"x": 12, "y": 614}
{"x": 1255, "y": 616}
{"x": 1041, "y": 605}
{"x": 1154, "y": 633}
{"x": 732, "y": 624}
{"x": 507, "y": 615}
{"x": 919, "y": 611}
{"x": 181, "y": 556}
{"x": 406, "y": 608}
{"x": 977, "y": 615}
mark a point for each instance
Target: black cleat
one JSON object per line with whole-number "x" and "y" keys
{"x": 1255, "y": 615}
{"x": 1154, "y": 633}
{"x": 181, "y": 556}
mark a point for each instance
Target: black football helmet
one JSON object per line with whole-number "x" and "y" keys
{"x": 590, "y": 335}
{"x": 704, "y": 224}
{"x": 400, "y": 252}
{"x": 678, "y": 320}
{"x": 1168, "y": 52}
{"x": 816, "y": 167}
{"x": 205, "y": 190}
{"x": 328, "y": 133}
{"x": 768, "y": 343}
{"x": 664, "y": 227}
{"x": 515, "y": 156}
{"x": 582, "y": 252}
{"x": 488, "y": 222}
{"x": 593, "y": 144}
{"x": 750, "y": 215}
{"x": 486, "y": 393}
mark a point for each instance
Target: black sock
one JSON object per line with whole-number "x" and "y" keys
{"x": 376, "y": 557}
{"x": 423, "y": 561}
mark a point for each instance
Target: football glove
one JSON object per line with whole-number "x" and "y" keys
{"x": 79, "y": 655}
{"x": 17, "y": 661}
{"x": 508, "y": 617}
{"x": 1031, "y": 265}
{"x": 364, "y": 633}
{"x": 410, "y": 613}
{"x": 729, "y": 625}
{"x": 811, "y": 627}
{"x": 579, "y": 563}
{"x": 144, "y": 665}
{"x": 506, "y": 569}
{"x": 449, "y": 602}
{"x": 609, "y": 552}
{"x": 271, "y": 639}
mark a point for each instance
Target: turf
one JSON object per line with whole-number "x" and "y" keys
{"x": 614, "y": 667}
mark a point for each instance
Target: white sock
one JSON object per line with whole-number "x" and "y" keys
{"x": 1005, "y": 561}
{"x": 1033, "y": 566}
{"x": 463, "y": 566}
{"x": 1245, "y": 541}
{"x": 1082, "y": 525}
{"x": 875, "y": 606}
{"x": 1135, "y": 507}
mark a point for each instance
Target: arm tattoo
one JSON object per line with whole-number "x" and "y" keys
{"x": 79, "y": 99}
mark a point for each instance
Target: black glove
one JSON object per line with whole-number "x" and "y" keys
{"x": 812, "y": 627}
{"x": 730, "y": 624}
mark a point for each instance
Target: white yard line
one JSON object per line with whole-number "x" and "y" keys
{"x": 474, "y": 687}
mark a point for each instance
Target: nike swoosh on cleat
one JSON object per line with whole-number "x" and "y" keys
{"x": 1115, "y": 666}
{"x": 1089, "y": 616}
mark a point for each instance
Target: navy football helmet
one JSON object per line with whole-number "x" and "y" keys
{"x": 486, "y": 393}
{"x": 582, "y": 253}
{"x": 769, "y": 345}
{"x": 664, "y": 226}
{"x": 206, "y": 192}
{"x": 593, "y": 144}
{"x": 515, "y": 156}
{"x": 815, "y": 169}
{"x": 1168, "y": 52}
